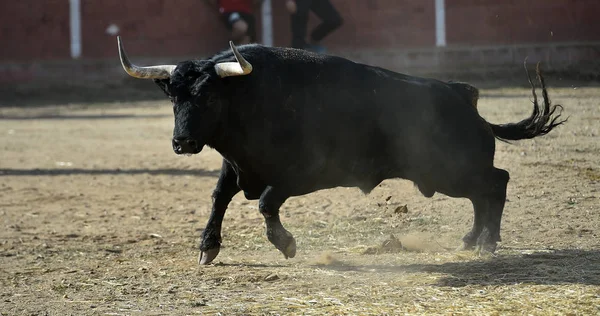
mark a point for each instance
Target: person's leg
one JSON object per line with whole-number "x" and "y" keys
{"x": 250, "y": 34}
{"x": 299, "y": 22}
{"x": 239, "y": 33}
{"x": 330, "y": 20}
{"x": 237, "y": 27}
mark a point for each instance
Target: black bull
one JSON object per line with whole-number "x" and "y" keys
{"x": 288, "y": 122}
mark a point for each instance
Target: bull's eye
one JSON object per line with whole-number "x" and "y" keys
{"x": 211, "y": 100}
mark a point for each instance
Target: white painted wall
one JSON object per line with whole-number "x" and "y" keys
{"x": 440, "y": 23}
{"x": 75, "y": 26}
{"x": 267, "y": 23}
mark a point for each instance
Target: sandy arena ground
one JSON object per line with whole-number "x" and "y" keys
{"x": 99, "y": 217}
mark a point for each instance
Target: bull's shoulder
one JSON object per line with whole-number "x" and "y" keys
{"x": 467, "y": 91}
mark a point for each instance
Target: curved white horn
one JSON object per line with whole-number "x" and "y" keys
{"x": 228, "y": 69}
{"x": 151, "y": 72}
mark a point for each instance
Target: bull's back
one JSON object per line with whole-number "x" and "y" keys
{"x": 406, "y": 123}
{"x": 439, "y": 133}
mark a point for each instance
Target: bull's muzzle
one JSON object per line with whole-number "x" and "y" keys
{"x": 185, "y": 146}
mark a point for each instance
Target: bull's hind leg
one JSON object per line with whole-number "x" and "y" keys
{"x": 226, "y": 189}
{"x": 488, "y": 203}
{"x": 480, "y": 207}
{"x": 269, "y": 204}
{"x": 496, "y": 197}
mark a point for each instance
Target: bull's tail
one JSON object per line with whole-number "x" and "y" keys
{"x": 540, "y": 122}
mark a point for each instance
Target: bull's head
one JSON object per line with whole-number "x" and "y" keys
{"x": 193, "y": 87}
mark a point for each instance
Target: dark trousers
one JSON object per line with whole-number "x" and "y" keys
{"x": 330, "y": 21}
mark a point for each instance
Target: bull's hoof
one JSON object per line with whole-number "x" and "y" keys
{"x": 284, "y": 242}
{"x": 468, "y": 243}
{"x": 208, "y": 256}
{"x": 486, "y": 250}
{"x": 287, "y": 246}
{"x": 290, "y": 250}
{"x": 486, "y": 245}
{"x": 465, "y": 246}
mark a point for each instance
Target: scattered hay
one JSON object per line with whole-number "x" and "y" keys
{"x": 590, "y": 173}
{"x": 393, "y": 209}
{"x": 390, "y": 245}
{"x": 272, "y": 277}
{"x": 412, "y": 243}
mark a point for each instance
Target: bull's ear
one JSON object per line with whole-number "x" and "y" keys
{"x": 163, "y": 84}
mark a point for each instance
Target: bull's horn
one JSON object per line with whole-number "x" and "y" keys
{"x": 151, "y": 72}
{"x": 240, "y": 68}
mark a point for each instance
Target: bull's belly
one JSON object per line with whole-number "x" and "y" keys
{"x": 365, "y": 177}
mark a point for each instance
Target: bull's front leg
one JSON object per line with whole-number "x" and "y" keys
{"x": 269, "y": 204}
{"x": 226, "y": 189}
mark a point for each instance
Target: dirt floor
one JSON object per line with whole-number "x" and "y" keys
{"x": 99, "y": 217}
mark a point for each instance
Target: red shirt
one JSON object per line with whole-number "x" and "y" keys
{"x": 244, "y": 6}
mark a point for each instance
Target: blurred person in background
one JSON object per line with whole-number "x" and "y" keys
{"x": 238, "y": 16}
{"x": 299, "y": 10}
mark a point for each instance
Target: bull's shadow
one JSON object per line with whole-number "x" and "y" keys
{"x": 117, "y": 171}
{"x": 567, "y": 266}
